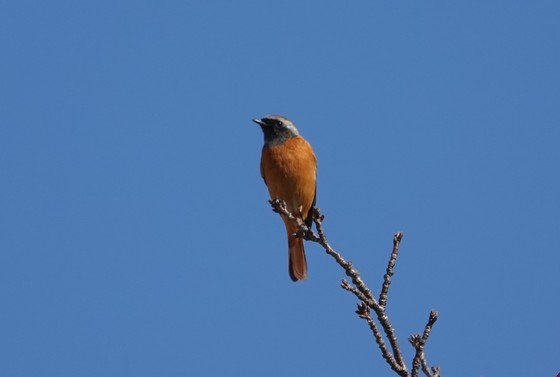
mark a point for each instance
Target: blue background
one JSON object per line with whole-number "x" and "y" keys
{"x": 135, "y": 234}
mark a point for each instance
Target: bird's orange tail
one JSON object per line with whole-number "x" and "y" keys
{"x": 297, "y": 263}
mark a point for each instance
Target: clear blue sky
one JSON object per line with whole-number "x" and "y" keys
{"x": 135, "y": 234}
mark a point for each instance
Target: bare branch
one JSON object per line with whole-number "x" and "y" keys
{"x": 366, "y": 297}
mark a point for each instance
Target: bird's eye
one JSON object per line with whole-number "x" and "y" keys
{"x": 280, "y": 124}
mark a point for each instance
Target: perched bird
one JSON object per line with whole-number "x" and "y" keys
{"x": 289, "y": 170}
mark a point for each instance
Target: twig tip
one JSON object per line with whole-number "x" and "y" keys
{"x": 433, "y": 317}
{"x": 363, "y": 310}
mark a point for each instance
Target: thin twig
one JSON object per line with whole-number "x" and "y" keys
{"x": 350, "y": 288}
{"x": 418, "y": 342}
{"x": 391, "y": 335}
{"x": 389, "y": 273}
{"x": 348, "y": 267}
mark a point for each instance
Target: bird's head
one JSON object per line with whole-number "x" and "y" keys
{"x": 277, "y": 129}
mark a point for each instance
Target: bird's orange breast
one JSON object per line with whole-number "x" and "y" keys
{"x": 290, "y": 172}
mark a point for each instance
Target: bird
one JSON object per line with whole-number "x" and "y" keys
{"x": 289, "y": 169}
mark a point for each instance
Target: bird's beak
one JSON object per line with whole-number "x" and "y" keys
{"x": 259, "y": 122}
